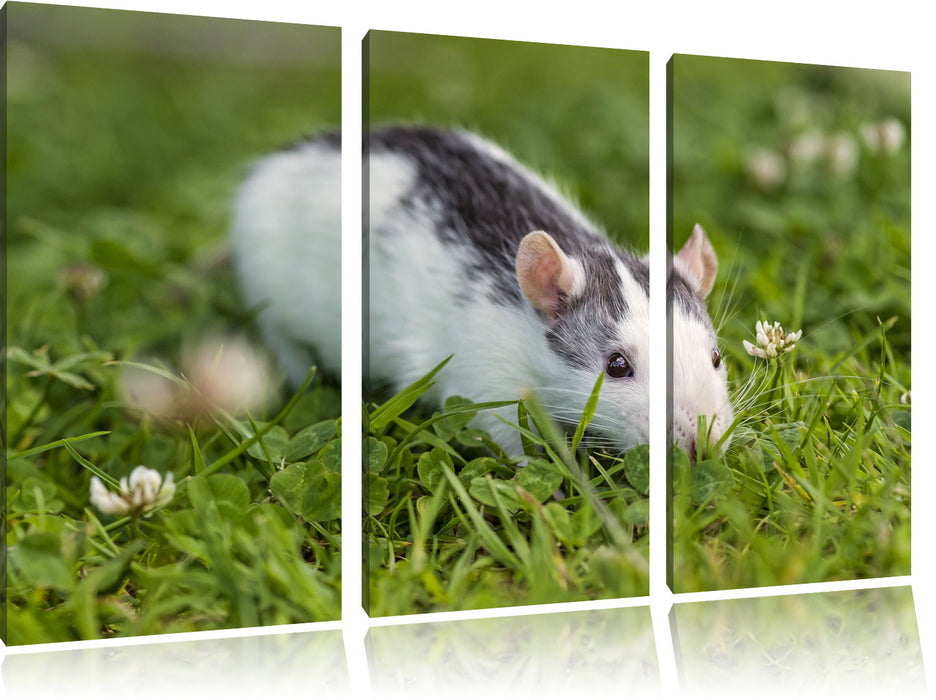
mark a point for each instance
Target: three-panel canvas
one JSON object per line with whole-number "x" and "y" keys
{"x": 173, "y": 349}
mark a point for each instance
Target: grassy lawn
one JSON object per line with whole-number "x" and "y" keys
{"x": 124, "y": 151}
{"x": 801, "y": 177}
{"x": 452, "y": 522}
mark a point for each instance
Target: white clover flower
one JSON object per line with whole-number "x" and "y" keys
{"x": 771, "y": 341}
{"x": 892, "y": 134}
{"x": 807, "y": 147}
{"x": 144, "y": 492}
{"x": 766, "y": 168}
{"x": 842, "y": 152}
{"x": 871, "y": 135}
{"x": 883, "y": 137}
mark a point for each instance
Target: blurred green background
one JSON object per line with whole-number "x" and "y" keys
{"x": 800, "y": 174}
{"x": 127, "y": 135}
{"x": 576, "y": 114}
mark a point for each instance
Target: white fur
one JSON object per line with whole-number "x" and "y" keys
{"x": 286, "y": 239}
{"x": 416, "y": 320}
{"x": 699, "y": 389}
{"x": 500, "y": 353}
{"x": 623, "y": 413}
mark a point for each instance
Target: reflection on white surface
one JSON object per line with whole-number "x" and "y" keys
{"x": 593, "y": 653}
{"x": 299, "y": 664}
{"x": 843, "y": 643}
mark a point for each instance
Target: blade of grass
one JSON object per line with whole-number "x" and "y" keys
{"x": 867, "y": 340}
{"x": 159, "y": 371}
{"x": 198, "y": 459}
{"x": 520, "y": 546}
{"x": 102, "y": 475}
{"x": 523, "y": 419}
{"x": 111, "y": 547}
{"x": 534, "y": 439}
{"x": 53, "y": 445}
{"x": 488, "y": 537}
{"x": 588, "y": 413}
{"x": 423, "y": 524}
{"x": 604, "y": 474}
{"x": 395, "y": 406}
{"x": 468, "y": 408}
{"x": 266, "y": 452}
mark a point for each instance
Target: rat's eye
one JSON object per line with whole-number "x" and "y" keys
{"x": 716, "y": 359}
{"x": 618, "y": 366}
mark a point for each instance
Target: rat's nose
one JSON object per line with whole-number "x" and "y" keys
{"x": 691, "y": 449}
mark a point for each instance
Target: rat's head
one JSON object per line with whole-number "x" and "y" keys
{"x": 698, "y": 380}
{"x": 594, "y": 302}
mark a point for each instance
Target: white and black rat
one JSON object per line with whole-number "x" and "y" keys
{"x": 474, "y": 256}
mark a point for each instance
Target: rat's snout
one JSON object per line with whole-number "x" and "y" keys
{"x": 690, "y": 448}
{"x": 687, "y": 447}
{"x": 684, "y": 433}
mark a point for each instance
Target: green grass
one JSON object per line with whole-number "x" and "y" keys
{"x": 452, "y": 521}
{"x": 122, "y": 163}
{"x": 815, "y": 484}
{"x": 455, "y": 523}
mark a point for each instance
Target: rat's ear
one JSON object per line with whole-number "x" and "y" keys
{"x": 698, "y": 262}
{"x": 546, "y": 273}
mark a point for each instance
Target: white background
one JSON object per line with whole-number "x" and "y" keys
{"x": 893, "y": 35}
